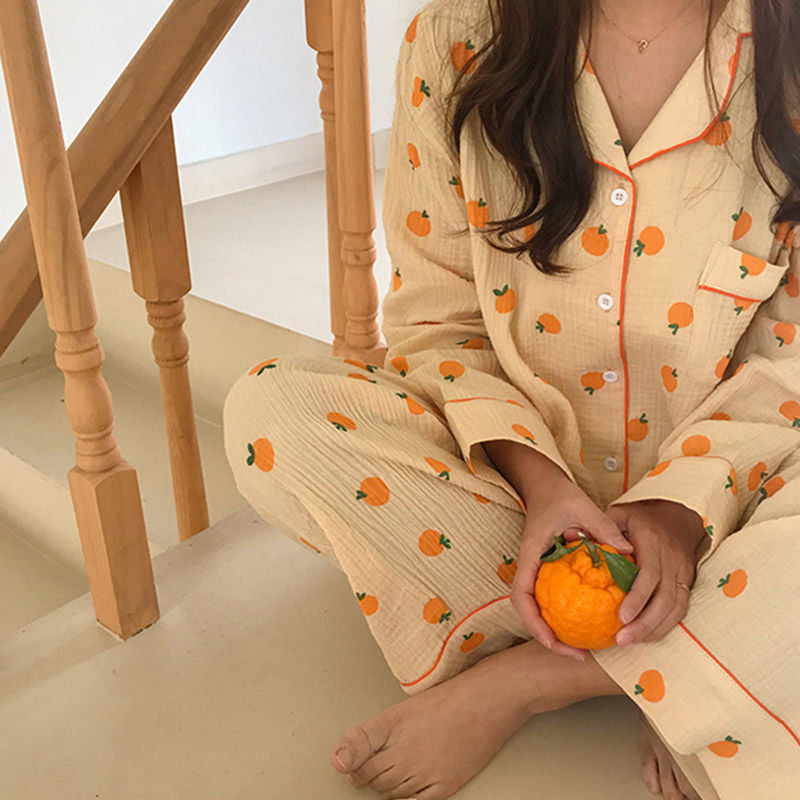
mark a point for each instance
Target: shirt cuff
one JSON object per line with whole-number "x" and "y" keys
{"x": 474, "y": 420}
{"x": 703, "y": 484}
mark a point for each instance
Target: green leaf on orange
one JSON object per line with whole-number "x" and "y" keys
{"x": 558, "y": 549}
{"x": 623, "y": 572}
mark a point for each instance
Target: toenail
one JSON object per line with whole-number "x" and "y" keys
{"x": 343, "y": 757}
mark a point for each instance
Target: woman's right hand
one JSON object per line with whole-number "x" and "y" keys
{"x": 560, "y": 507}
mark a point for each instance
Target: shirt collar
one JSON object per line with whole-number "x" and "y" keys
{"x": 686, "y": 114}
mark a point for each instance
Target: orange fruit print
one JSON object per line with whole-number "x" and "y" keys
{"x": 726, "y": 748}
{"x": 471, "y": 641}
{"x": 577, "y": 595}
{"x": 261, "y": 454}
{"x": 650, "y": 686}
{"x": 733, "y": 583}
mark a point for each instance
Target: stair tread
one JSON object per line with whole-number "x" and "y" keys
{"x": 34, "y": 427}
{"x": 230, "y": 694}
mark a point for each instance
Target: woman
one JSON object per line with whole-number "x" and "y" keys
{"x": 647, "y": 393}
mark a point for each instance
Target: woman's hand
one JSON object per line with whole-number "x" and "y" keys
{"x": 557, "y": 506}
{"x": 668, "y": 538}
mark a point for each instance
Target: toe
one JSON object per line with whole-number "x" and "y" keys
{"x": 362, "y": 741}
{"x": 409, "y": 788}
{"x": 372, "y": 768}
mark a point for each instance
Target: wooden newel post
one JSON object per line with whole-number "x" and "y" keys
{"x": 104, "y": 487}
{"x": 152, "y": 211}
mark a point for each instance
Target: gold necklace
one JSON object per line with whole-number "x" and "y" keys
{"x": 642, "y": 43}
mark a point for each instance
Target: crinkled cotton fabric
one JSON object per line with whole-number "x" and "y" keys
{"x": 666, "y": 365}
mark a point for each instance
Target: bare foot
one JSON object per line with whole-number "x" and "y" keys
{"x": 430, "y": 744}
{"x": 660, "y": 773}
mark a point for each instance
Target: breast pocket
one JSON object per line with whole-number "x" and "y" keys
{"x": 731, "y": 287}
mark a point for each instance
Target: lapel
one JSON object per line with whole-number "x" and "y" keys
{"x": 685, "y": 116}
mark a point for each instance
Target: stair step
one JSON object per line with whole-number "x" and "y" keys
{"x": 260, "y": 660}
{"x": 31, "y": 584}
{"x": 37, "y": 447}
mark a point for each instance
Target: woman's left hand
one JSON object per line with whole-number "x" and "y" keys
{"x": 667, "y": 538}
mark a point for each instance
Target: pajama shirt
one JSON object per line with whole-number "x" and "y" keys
{"x": 664, "y": 365}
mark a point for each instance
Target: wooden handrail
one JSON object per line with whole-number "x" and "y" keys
{"x": 115, "y": 138}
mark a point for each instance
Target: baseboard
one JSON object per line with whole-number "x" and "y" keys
{"x": 216, "y": 177}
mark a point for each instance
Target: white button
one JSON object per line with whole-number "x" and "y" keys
{"x": 605, "y": 301}
{"x": 618, "y": 196}
{"x": 610, "y": 376}
{"x": 611, "y": 463}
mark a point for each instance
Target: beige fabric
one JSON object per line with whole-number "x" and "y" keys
{"x": 664, "y": 366}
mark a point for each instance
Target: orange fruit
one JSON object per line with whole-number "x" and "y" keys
{"x": 650, "y": 686}
{"x": 419, "y": 223}
{"x": 368, "y": 602}
{"x": 432, "y": 543}
{"x": 373, "y": 491}
{"x": 595, "y": 240}
{"x": 578, "y": 596}
{"x": 505, "y": 301}
{"x": 400, "y": 363}
{"x": 413, "y": 406}
{"x": 478, "y": 213}
{"x": 725, "y": 748}
{"x": 743, "y": 223}
{"x": 261, "y": 454}
{"x": 435, "y": 611}
{"x": 733, "y": 583}
{"x": 456, "y": 182}
{"x": 650, "y": 241}
{"x": 411, "y": 30}
{"x": 340, "y": 421}
{"x": 507, "y": 570}
{"x": 413, "y": 154}
{"x": 420, "y": 92}
{"x": 460, "y": 53}
{"x": 471, "y": 641}
{"x": 719, "y": 132}
{"x": 669, "y": 377}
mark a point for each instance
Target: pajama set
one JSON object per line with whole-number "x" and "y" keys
{"x": 665, "y": 365}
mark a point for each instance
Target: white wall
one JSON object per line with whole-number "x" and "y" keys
{"x": 259, "y": 88}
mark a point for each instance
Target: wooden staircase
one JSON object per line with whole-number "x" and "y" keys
{"x": 128, "y": 146}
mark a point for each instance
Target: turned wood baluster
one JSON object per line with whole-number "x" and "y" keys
{"x": 104, "y": 487}
{"x": 336, "y": 30}
{"x": 152, "y": 212}
{"x": 115, "y": 137}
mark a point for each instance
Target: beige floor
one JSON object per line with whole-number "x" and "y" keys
{"x": 262, "y": 251}
{"x": 259, "y": 661}
{"x": 261, "y": 657}
{"x": 31, "y": 583}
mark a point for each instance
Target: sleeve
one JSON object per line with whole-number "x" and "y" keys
{"x": 432, "y": 319}
{"x": 726, "y": 456}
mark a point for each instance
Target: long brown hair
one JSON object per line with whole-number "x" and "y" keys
{"x": 524, "y": 91}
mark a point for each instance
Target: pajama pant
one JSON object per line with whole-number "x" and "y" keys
{"x": 357, "y": 463}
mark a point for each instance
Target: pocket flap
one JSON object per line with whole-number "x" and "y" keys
{"x": 740, "y": 274}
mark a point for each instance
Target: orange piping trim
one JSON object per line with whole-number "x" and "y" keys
{"x": 721, "y": 109}
{"x": 441, "y": 652}
{"x": 477, "y": 397}
{"x": 738, "y": 682}
{"x": 729, "y": 294}
{"x": 625, "y": 367}
{"x": 630, "y": 226}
